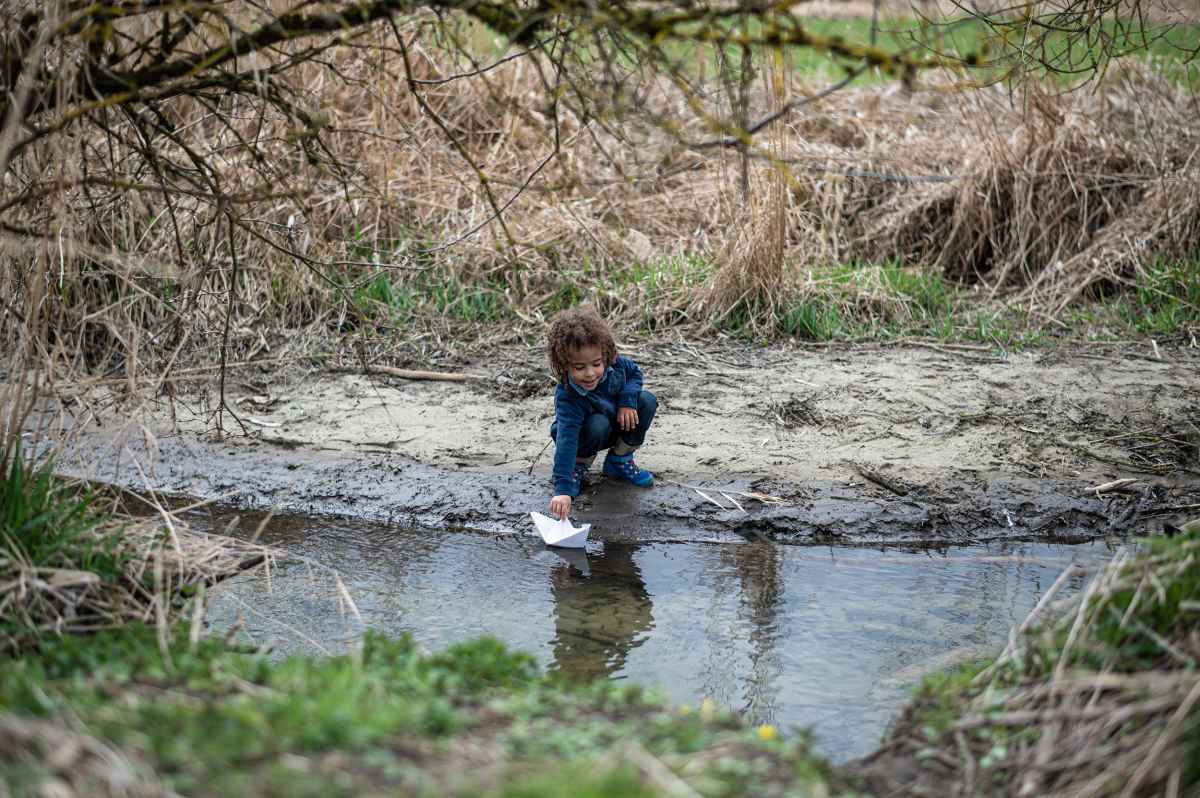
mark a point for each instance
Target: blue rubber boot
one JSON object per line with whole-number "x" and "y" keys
{"x": 622, "y": 467}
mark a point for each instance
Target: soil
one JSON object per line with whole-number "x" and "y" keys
{"x": 929, "y": 443}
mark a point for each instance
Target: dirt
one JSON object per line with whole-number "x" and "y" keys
{"x": 914, "y": 443}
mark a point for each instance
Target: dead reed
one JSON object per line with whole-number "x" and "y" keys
{"x": 750, "y": 277}
{"x": 1070, "y": 194}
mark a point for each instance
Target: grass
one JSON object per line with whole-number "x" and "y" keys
{"x": 474, "y": 720}
{"x": 970, "y": 41}
{"x": 652, "y": 289}
{"x": 840, "y": 302}
{"x": 47, "y": 529}
{"x": 46, "y": 524}
{"x": 386, "y": 298}
{"x": 68, "y": 566}
{"x": 849, "y": 302}
{"x": 811, "y": 320}
{"x": 865, "y": 302}
{"x": 1165, "y": 298}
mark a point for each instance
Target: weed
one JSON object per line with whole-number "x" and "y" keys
{"x": 390, "y": 299}
{"x": 922, "y": 290}
{"x": 937, "y": 700}
{"x": 52, "y": 541}
{"x": 67, "y": 567}
{"x": 1125, "y": 648}
{"x": 482, "y": 664}
{"x": 813, "y": 319}
{"x": 1165, "y": 298}
{"x": 565, "y": 296}
{"x": 577, "y": 780}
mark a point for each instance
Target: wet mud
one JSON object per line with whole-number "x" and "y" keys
{"x": 795, "y": 446}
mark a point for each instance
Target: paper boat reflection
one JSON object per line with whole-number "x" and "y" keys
{"x": 576, "y": 558}
{"x": 557, "y": 532}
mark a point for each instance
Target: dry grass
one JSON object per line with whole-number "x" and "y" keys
{"x": 1051, "y": 195}
{"x": 78, "y": 558}
{"x": 1096, "y": 696}
{"x": 1071, "y": 194}
{"x": 163, "y": 562}
{"x": 69, "y": 564}
{"x": 1128, "y": 716}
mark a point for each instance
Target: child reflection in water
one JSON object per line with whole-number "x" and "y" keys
{"x": 599, "y": 619}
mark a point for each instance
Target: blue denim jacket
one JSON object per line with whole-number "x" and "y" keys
{"x": 620, "y": 387}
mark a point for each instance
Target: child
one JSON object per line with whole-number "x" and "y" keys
{"x": 598, "y": 404}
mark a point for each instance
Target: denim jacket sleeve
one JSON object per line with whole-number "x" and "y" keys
{"x": 568, "y": 420}
{"x": 633, "y": 383}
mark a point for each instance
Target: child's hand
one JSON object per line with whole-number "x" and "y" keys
{"x": 561, "y": 507}
{"x": 627, "y": 419}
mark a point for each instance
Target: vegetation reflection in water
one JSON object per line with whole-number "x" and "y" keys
{"x": 826, "y": 637}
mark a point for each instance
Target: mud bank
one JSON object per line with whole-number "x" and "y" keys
{"x": 394, "y": 490}
{"x": 865, "y": 444}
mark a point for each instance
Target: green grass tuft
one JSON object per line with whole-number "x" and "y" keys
{"x": 923, "y": 291}
{"x": 576, "y": 780}
{"x": 813, "y": 319}
{"x": 1165, "y": 298}
{"x": 45, "y": 524}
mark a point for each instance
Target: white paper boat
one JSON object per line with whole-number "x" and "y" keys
{"x": 558, "y": 532}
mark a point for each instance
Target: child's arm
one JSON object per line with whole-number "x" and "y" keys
{"x": 568, "y": 421}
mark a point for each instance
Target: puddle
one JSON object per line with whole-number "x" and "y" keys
{"x": 825, "y": 637}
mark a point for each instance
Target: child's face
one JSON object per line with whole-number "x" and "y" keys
{"x": 586, "y": 366}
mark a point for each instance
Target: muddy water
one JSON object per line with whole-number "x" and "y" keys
{"x": 829, "y": 638}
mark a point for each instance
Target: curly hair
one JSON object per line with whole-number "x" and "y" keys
{"x": 573, "y": 329}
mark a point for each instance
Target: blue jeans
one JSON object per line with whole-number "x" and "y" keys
{"x": 599, "y": 432}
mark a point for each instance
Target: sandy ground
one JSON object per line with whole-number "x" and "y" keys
{"x": 926, "y": 443}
